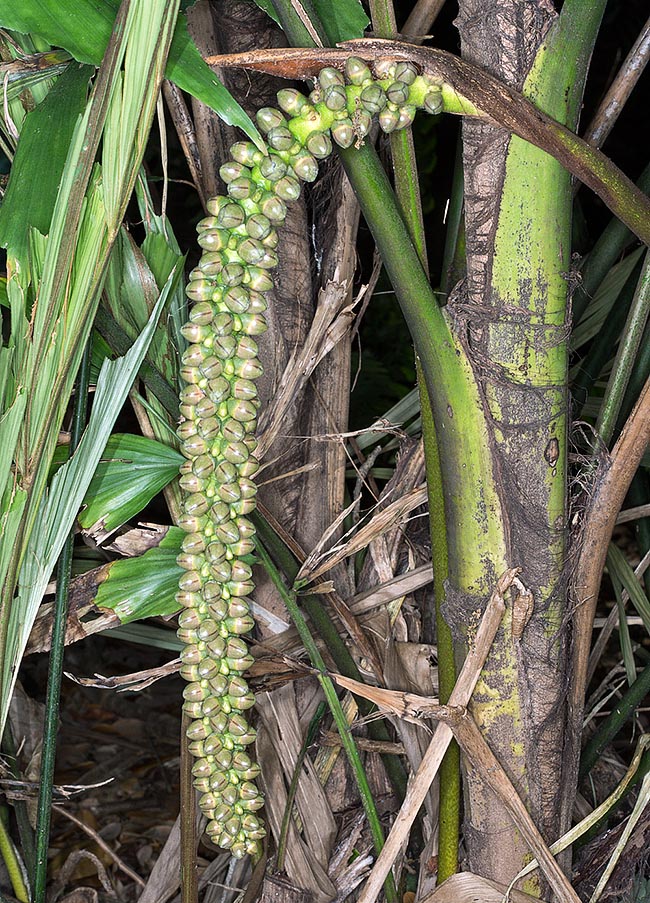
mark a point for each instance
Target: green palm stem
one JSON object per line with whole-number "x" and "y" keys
{"x": 57, "y": 651}
{"x": 408, "y": 197}
{"x": 528, "y": 403}
{"x": 613, "y": 240}
{"x": 340, "y": 653}
{"x": 472, "y": 503}
{"x": 290, "y": 600}
{"x": 473, "y": 531}
{"x": 600, "y": 350}
{"x": 625, "y": 357}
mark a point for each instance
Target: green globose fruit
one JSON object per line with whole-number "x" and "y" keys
{"x": 219, "y": 409}
{"x": 357, "y": 72}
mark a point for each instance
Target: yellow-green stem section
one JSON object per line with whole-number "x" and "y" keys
{"x": 12, "y": 865}
{"x": 449, "y": 776}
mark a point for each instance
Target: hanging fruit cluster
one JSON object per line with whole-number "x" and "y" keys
{"x": 219, "y": 407}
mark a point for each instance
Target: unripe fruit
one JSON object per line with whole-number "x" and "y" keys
{"x": 343, "y": 133}
{"x": 330, "y": 76}
{"x": 268, "y": 118}
{"x": 291, "y": 101}
{"x": 356, "y": 71}
{"x": 320, "y": 145}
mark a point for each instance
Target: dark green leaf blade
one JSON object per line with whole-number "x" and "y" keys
{"x": 343, "y": 20}
{"x": 40, "y": 157}
{"x": 133, "y": 469}
{"x": 187, "y": 69}
{"x": 146, "y": 586}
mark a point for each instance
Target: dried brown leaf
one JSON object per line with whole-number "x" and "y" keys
{"x": 395, "y": 513}
{"x": 469, "y": 888}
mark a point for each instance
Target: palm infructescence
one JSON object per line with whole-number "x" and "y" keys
{"x": 493, "y": 368}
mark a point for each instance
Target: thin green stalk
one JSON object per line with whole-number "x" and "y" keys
{"x": 189, "y": 873}
{"x": 290, "y": 600}
{"x": 12, "y": 865}
{"x": 57, "y": 651}
{"x": 449, "y": 777}
{"x": 293, "y": 786}
{"x": 382, "y": 15}
{"x": 638, "y": 494}
{"x": 621, "y": 714}
{"x": 325, "y": 628}
{"x": 604, "y": 254}
{"x": 625, "y": 356}
{"x": 408, "y": 196}
{"x": 637, "y": 379}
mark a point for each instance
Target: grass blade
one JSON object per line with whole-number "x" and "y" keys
{"x": 60, "y": 505}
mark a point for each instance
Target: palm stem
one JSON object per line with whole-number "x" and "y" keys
{"x": 408, "y": 196}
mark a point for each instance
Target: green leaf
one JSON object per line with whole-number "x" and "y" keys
{"x": 603, "y": 300}
{"x": 43, "y": 148}
{"x": 132, "y": 471}
{"x": 60, "y": 505}
{"x": 12, "y": 512}
{"x": 620, "y": 568}
{"x": 83, "y": 29}
{"x": 267, "y": 6}
{"x": 146, "y": 635}
{"x": 146, "y": 586}
{"x": 343, "y": 19}
{"x": 10, "y": 424}
{"x": 19, "y": 76}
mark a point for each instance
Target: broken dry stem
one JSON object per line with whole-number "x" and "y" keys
{"x": 481, "y": 757}
{"x": 442, "y": 737}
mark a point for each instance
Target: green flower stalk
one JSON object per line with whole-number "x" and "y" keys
{"x": 219, "y": 405}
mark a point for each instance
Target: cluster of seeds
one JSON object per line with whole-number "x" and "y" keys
{"x": 219, "y": 411}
